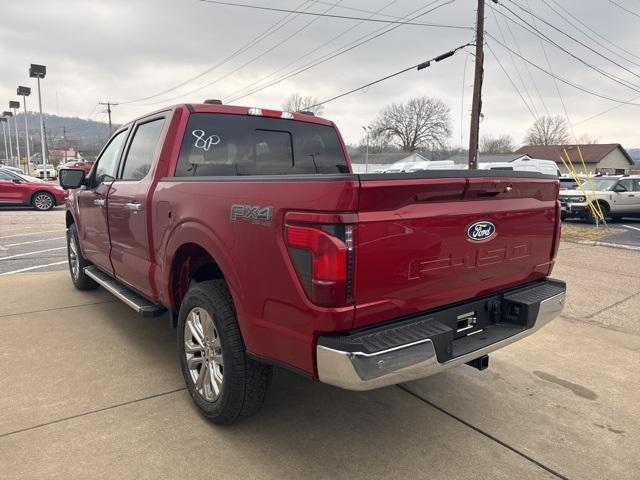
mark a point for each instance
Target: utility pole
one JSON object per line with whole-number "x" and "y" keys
{"x": 367, "y": 130}
{"x": 109, "y": 105}
{"x": 64, "y": 142}
{"x": 476, "y": 107}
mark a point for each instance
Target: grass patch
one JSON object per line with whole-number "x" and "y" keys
{"x": 575, "y": 232}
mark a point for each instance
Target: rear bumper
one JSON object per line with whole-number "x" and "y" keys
{"x": 425, "y": 345}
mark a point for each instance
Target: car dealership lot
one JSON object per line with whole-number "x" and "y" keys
{"x": 90, "y": 390}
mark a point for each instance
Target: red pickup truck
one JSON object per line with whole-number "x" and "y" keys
{"x": 249, "y": 228}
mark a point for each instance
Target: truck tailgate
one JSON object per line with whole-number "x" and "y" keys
{"x": 414, "y": 251}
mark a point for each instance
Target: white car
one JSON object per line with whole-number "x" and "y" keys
{"x": 618, "y": 196}
{"x": 52, "y": 173}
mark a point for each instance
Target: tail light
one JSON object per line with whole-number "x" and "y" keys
{"x": 322, "y": 255}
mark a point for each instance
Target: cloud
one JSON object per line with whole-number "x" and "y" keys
{"x": 122, "y": 50}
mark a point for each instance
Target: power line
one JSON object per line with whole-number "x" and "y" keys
{"x": 281, "y": 23}
{"x": 325, "y": 15}
{"x": 533, "y": 30}
{"x": 562, "y": 79}
{"x": 590, "y": 37}
{"x": 418, "y": 66}
{"x": 604, "y": 112}
{"x": 345, "y": 49}
{"x": 596, "y": 33}
{"x": 566, "y": 35}
{"x": 625, "y": 8}
{"x": 248, "y": 62}
{"x": 512, "y": 82}
{"x": 533, "y": 109}
{"x": 309, "y": 52}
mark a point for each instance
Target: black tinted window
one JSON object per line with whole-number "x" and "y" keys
{"x": 142, "y": 150}
{"x": 219, "y": 144}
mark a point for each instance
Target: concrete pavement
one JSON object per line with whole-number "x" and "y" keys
{"x": 90, "y": 390}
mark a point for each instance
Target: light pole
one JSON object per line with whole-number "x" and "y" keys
{"x": 15, "y": 106}
{"x": 3, "y": 120}
{"x": 40, "y": 71}
{"x": 25, "y": 92}
{"x": 7, "y": 114}
{"x": 366, "y": 155}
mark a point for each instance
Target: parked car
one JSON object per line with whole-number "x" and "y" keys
{"x": 17, "y": 189}
{"x": 86, "y": 166}
{"x": 618, "y": 196}
{"x": 247, "y": 226}
{"x": 13, "y": 169}
{"x": 52, "y": 173}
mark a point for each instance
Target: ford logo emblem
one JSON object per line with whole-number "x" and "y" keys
{"x": 481, "y": 230}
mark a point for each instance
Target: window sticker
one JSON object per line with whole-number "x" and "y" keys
{"x": 204, "y": 143}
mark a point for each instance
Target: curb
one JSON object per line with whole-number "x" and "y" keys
{"x": 595, "y": 243}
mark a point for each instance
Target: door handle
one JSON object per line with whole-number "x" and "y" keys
{"x": 99, "y": 202}
{"x": 136, "y": 207}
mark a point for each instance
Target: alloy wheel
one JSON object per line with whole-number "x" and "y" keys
{"x": 74, "y": 256}
{"x": 42, "y": 201}
{"x": 203, "y": 352}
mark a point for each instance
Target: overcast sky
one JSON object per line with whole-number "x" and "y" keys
{"x": 123, "y": 50}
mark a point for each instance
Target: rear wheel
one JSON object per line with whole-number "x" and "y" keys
{"x": 43, "y": 201}
{"x": 77, "y": 262}
{"x": 224, "y": 383}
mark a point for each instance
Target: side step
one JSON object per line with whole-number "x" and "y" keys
{"x": 144, "y": 307}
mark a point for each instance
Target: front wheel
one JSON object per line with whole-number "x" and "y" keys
{"x": 77, "y": 262}
{"x": 224, "y": 383}
{"x": 43, "y": 201}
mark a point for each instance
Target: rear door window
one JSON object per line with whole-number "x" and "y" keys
{"x": 142, "y": 150}
{"x": 230, "y": 145}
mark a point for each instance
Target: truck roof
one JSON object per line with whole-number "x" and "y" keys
{"x": 241, "y": 110}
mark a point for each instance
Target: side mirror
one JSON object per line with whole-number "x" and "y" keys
{"x": 71, "y": 178}
{"x": 619, "y": 188}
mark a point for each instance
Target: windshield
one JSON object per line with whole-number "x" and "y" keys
{"x": 28, "y": 178}
{"x": 601, "y": 184}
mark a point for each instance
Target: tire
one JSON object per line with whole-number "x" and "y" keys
{"x": 592, "y": 219}
{"x": 77, "y": 262}
{"x": 232, "y": 385}
{"x": 43, "y": 201}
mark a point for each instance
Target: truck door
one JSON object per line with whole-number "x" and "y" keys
{"x": 627, "y": 201}
{"x": 92, "y": 205}
{"x": 130, "y": 206}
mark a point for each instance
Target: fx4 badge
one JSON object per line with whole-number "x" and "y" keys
{"x": 252, "y": 213}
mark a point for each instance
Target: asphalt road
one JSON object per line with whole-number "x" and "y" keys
{"x": 626, "y": 231}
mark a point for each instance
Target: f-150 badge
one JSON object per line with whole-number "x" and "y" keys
{"x": 251, "y": 213}
{"x": 481, "y": 230}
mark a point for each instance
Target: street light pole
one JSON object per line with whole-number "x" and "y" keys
{"x": 38, "y": 72}
{"x": 7, "y": 114}
{"x": 25, "y": 92}
{"x": 4, "y": 133}
{"x": 15, "y": 106}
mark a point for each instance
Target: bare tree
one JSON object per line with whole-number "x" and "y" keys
{"x": 548, "y": 130}
{"x": 587, "y": 139}
{"x": 421, "y": 123}
{"x": 297, "y": 103}
{"x": 493, "y": 145}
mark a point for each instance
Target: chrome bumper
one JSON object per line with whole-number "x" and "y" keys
{"x": 412, "y": 361}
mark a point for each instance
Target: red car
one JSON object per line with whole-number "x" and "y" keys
{"x": 17, "y": 189}
{"x": 85, "y": 166}
{"x": 250, "y": 229}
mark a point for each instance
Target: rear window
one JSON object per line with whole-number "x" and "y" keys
{"x": 229, "y": 145}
